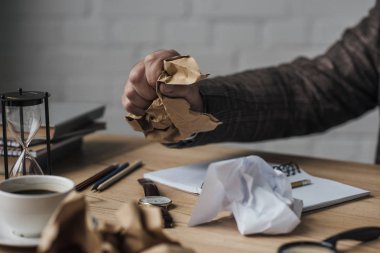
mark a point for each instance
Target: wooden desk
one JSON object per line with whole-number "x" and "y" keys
{"x": 221, "y": 235}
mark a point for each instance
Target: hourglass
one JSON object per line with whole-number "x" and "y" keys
{"x": 21, "y": 114}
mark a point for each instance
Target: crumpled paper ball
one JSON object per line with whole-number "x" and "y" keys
{"x": 259, "y": 197}
{"x": 170, "y": 120}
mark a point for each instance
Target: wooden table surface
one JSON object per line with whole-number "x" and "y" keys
{"x": 221, "y": 235}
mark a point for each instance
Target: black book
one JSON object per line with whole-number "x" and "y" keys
{"x": 66, "y": 118}
{"x": 35, "y": 143}
{"x": 58, "y": 151}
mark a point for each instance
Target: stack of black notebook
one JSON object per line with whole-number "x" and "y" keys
{"x": 69, "y": 122}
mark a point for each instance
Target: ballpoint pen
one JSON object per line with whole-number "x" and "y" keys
{"x": 119, "y": 176}
{"x": 89, "y": 181}
{"x": 118, "y": 169}
{"x": 300, "y": 183}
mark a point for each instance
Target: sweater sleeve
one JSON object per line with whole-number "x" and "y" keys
{"x": 298, "y": 98}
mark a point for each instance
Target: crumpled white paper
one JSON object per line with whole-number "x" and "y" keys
{"x": 259, "y": 197}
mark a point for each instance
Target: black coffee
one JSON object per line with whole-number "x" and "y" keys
{"x": 34, "y": 192}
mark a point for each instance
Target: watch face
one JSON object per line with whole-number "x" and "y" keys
{"x": 155, "y": 200}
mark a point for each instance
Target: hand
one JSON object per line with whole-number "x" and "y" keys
{"x": 140, "y": 88}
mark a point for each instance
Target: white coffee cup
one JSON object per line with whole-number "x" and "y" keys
{"x": 26, "y": 213}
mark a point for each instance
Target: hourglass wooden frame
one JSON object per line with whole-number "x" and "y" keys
{"x": 22, "y": 98}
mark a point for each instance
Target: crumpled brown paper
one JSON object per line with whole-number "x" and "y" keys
{"x": 169, "y": 120}
{"x": 71, "y": 229}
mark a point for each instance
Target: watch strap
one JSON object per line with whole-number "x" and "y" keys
{"x": 150, "y": 188}
{"x": 168, "y": 220}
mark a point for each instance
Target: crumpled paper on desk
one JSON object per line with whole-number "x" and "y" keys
{"x": 169, "y": 120}
{"x": 259, "y": 197}
{"x": 72, "y": 230}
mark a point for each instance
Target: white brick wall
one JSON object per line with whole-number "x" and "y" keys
{"x": 142, "y": 9}
{"x": 52, "y": 9}
{"x": 82, "y": 50}
{"x": 241, "y": 9}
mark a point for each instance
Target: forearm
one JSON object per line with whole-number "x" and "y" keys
{"x": 298, "y": 98}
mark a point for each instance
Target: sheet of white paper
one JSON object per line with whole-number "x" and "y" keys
{"x": 321, "y": 193}
{"x": 324, "y": 192}
{"x": 187, "y": 178}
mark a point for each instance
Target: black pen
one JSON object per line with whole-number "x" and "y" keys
{"x": 119, "y": 176}
{"x": 119, "y": 168}
{"x": 89, "y": 181}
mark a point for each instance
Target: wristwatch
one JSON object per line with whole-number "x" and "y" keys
{"x": 154, "y": 198}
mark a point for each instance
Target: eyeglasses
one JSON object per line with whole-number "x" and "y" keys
{"x": 364, "y": 234}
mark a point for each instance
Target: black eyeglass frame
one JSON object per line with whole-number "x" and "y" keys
{"x": 363, "y": 234}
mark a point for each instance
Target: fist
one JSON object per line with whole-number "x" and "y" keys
{"x": 140, "y": 88}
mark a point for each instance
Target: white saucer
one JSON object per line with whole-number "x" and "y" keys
{"x": 7, "y": 238}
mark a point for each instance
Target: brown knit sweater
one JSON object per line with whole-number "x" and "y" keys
{"x": 302, "y": 97}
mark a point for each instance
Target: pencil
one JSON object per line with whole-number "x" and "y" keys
{"x": 89, "y": 181}
{"x": 119, "y": 167}
{"x": 119, "y": 176}
{"x": 301, "y": 183}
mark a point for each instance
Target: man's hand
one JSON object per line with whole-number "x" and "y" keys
{"x": 140, "y": 88}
